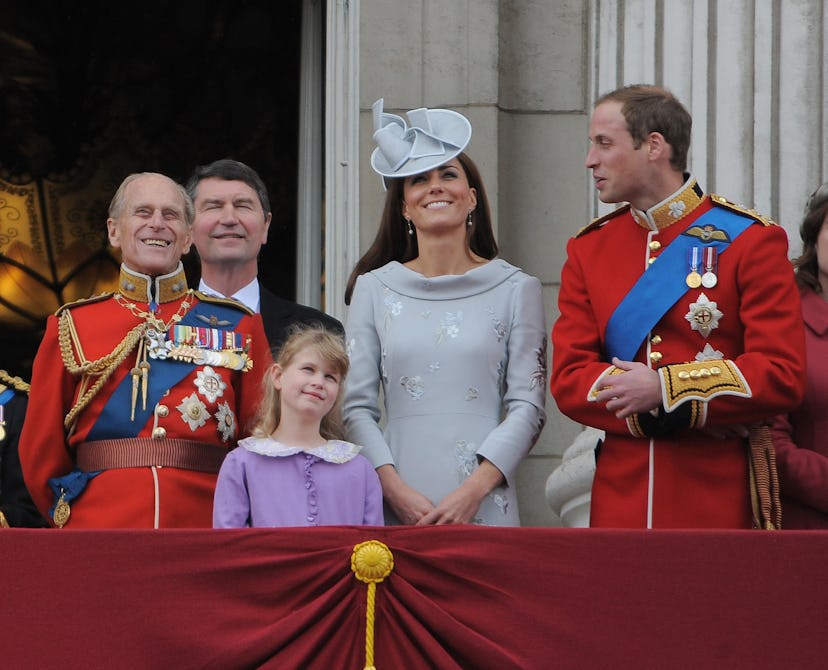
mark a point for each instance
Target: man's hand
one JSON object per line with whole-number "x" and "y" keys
{"x": 636, "y": 390}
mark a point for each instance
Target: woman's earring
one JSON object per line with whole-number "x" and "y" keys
{"x": 410, "y": 227}
{"x": 469, "y": 221}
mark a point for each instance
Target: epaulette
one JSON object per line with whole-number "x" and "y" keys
{"x": 597, "y": 223}
{"x": 84, "y": 301}
{"x": 227, "y": 302}
{"x": 721, "y": 201}
{"x": 14, "y": 382}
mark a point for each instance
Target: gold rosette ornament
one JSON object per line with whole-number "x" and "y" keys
{"x": 371, "y": 563}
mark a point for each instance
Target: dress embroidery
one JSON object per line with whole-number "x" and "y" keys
{"x": 466, "y": 455}
{"x": 393, "y": 307}
{"x": 414, "y": 386}
{"x": 449, "y": 326}
{"x": 538, "y": 377}
{"x": 499, "y": 327}
{"x": 500, "y": 500}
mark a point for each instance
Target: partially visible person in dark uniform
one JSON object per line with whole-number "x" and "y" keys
{"x": 16, "y": 506}
{"x": 232, "y": 220}
{"x": 137, "y": 396}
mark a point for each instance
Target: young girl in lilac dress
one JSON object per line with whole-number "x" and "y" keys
{"x": 295, "y": 470}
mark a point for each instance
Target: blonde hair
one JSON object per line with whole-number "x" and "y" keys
{"x": 331, "y": 348}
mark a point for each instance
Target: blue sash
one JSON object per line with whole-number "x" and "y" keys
{"x": 113, "y": 421}
{"x": 661, "y": 286}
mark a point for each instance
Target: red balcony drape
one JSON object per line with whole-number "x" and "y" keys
{"x": 458, "y": 597}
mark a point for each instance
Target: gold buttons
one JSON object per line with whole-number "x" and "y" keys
{"x": 684, "y": 375}
{"x": 655, "y": 245}
{"x": 656, "y": 356}
{"x": 655, "y": 339}
{"x": 159, "y": 433}
{"x": 652, "y": 260}
{"x": 162, "y": 411}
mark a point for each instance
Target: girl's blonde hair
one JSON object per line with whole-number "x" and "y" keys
{"x": 331, "y": 348}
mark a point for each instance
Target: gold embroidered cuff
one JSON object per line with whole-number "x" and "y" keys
{"x": 701, "y": 380}
{"x": 634, "y": 426}
{"x": 660, "y": 424}
{"x": 596, "y": 385}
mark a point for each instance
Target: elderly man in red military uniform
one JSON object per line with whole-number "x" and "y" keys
{"x": 137, "y": 396}
{"x": 679, "y": 328}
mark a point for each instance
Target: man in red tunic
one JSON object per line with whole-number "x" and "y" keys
{"x": 679, "y": 327}
{"x": 137, "y": 396}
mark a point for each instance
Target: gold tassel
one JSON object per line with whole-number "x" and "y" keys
{"x": 136, "y": 374}
{"x": 371, "y": 563}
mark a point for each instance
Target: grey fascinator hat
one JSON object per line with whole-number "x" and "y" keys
{"x": 429, "y": 139}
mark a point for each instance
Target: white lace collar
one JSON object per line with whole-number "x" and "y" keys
{"x": 333, "y": 451}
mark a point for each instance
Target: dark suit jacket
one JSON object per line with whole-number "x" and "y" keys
{"x": 15, "y": 501}
{"x": 279, "y": 315}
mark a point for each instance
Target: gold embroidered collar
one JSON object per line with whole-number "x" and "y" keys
{"x": 143, "y": 288}
{"x": 672, "y": 208}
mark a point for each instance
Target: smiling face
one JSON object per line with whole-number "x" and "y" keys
{"x": 230, "y": 225}
{"x": 308, "y": 385}
{"x": 150, "y": 227}
{"x": 438, "y": 199}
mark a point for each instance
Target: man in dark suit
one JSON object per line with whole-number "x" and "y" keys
{"x": 16, "y": 506}
{"x": 232, "y": 218}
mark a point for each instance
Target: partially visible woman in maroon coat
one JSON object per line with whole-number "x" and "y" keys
{"x": 801, "y": 437}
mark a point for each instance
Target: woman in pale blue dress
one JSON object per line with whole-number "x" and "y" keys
{"x": 449, "y": 337}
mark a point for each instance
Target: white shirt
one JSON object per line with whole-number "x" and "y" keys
{"x": 248, "y": 296}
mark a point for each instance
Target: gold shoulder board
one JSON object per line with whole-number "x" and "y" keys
{"x": 84, "y": 301}
{"x": 228, "y": 302}
{"x": 597, "y": 223}
{"x": 721, "y": 201}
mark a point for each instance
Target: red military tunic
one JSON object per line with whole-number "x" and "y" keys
{"x": 206, "y": 406}
{"x": 678, "y": 476}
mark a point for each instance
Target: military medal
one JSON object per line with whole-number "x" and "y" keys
{"x": 709, "y": 278}
{"x": 62, "y": 511}
{"x": 704, "y": 315}
{"x": 694, "y": 279}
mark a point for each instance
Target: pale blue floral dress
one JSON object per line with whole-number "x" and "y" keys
{"x": 461, "y": 360}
